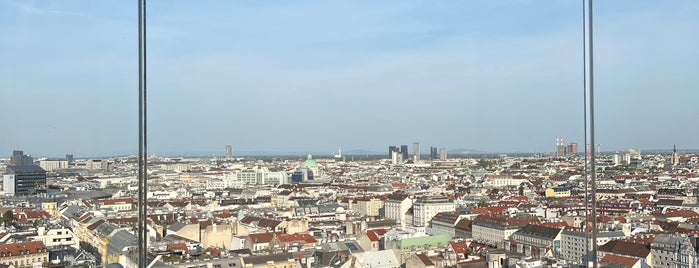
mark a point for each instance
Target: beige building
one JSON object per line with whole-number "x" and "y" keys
{"x": 27, "y": 254}
{"x": 51, "y": 208}
{"x": 51, "y": 165}
{"x": 557, "y": 192}
{"x": 207, "y": 233}
{"x": 369, "y": 207}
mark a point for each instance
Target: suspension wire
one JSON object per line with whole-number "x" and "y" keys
{"x": 592, "y": 136}
{"x": 585, "y": 176}
{"x": 142, "y": 142}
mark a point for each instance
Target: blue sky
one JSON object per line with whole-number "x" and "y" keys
{"x": 314, "y": 75}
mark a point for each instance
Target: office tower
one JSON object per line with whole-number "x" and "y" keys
{"x": 443, "y": 154}
{"x": 404, "y": 152}
{"x": 229, "y": 151}
{"x": 560, "y": 147}
{"x": 392, "y": 149}
{"x": 416, "y": 151}
{"x": 69, "y": 158}
{"x": 22, "y": 180}
{"x": 572, "y": 149}
{"x": 396, "y": 158}
{"x": 433, "y": 153}
{"x": 20, "y": 159}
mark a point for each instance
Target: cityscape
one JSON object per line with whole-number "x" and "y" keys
{"x": 406, "y": 208}
{"x": 349, "y": 134}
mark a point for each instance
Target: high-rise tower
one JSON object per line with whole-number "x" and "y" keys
{"x": 229, "y": 151}
{"x": 392, "y": 149}
{"x": 560, "y": 147}
{"x": 404, "y": 151}
{"x": 416, "y": 151}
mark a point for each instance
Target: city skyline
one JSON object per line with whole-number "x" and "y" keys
{"x": 313, "y": 76}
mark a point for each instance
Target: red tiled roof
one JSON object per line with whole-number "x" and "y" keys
{"x": 425, "y": 260}
{"x": 399, "y": 185}
{"x": 619, "y": 260}
{"x": 17, "y": 249}
{"x": 559, "y": 224}
{"x": 501, "y": 220}
{"x": 29, "y": 215}
{"x": 626, "y": 248}
{"x": 261, "y": 237}
{"x": 459, "y": 247}
{"x": 213, "y": 251}
{"x": 372, "y": 236}
{"x": 299, "y": 238}
{"x": 179, "y": 247}
{"x": 489, "y": 210}
{"x": 687, "y": 214}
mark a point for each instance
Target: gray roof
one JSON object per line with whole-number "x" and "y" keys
{"x": 177, "y": 226}
{"x": 105, "y": 229}
{"x": 263, "y": 259}
{"x": 73, "y": 211}
{"x": 538, "y": 231}
{"x": 25, "y": 169}
{"x": 328, "y": 208}
{"x": 121, "y": 240}
{"x": 670, "y": 240}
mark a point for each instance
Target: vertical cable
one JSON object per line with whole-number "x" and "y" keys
{"x": 585, "y": 176}
{"x": 592, "y": 136}
{"x": 142, "y": 145}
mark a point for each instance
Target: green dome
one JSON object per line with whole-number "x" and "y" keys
{"x": 310, "y": 162}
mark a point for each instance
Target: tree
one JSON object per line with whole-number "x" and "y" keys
{"x": 8, "y": 217}
{"x": 483, "y": 203}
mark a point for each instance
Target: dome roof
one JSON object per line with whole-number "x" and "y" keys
{"x": 310, "y": 162}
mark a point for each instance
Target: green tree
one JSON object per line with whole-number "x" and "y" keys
{"x": 7, "y": 217}
{"x": 483, "y": 203}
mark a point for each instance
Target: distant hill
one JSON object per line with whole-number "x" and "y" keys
{"x": 466, "y": 151}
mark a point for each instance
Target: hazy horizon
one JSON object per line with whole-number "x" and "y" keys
{"x": 494, "y": 76}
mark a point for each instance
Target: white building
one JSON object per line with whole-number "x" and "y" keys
{"x": 51, "y": 165}
{"x": 444, "y": 223}
{"x": 60, "y": 237}
{"x": 503, "y": 180}
{"x": 425, "y": 207}
{"x": 573, "y": 243}
{"x": 396, "y": 206}
{"x": 263, "y": 175}
{"x": 495, "y": 230}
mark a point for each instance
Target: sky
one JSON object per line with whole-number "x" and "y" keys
{"x": 312, "y": 76}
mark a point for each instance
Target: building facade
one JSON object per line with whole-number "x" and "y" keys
{"x": 23, "y": 180}
{"x": 669, "y": 250}
{"x": 573, "y": 246}
{"x": 27, "y": 254}
{"x": 426, "y": 207}
{"x": 396, "y": 206}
